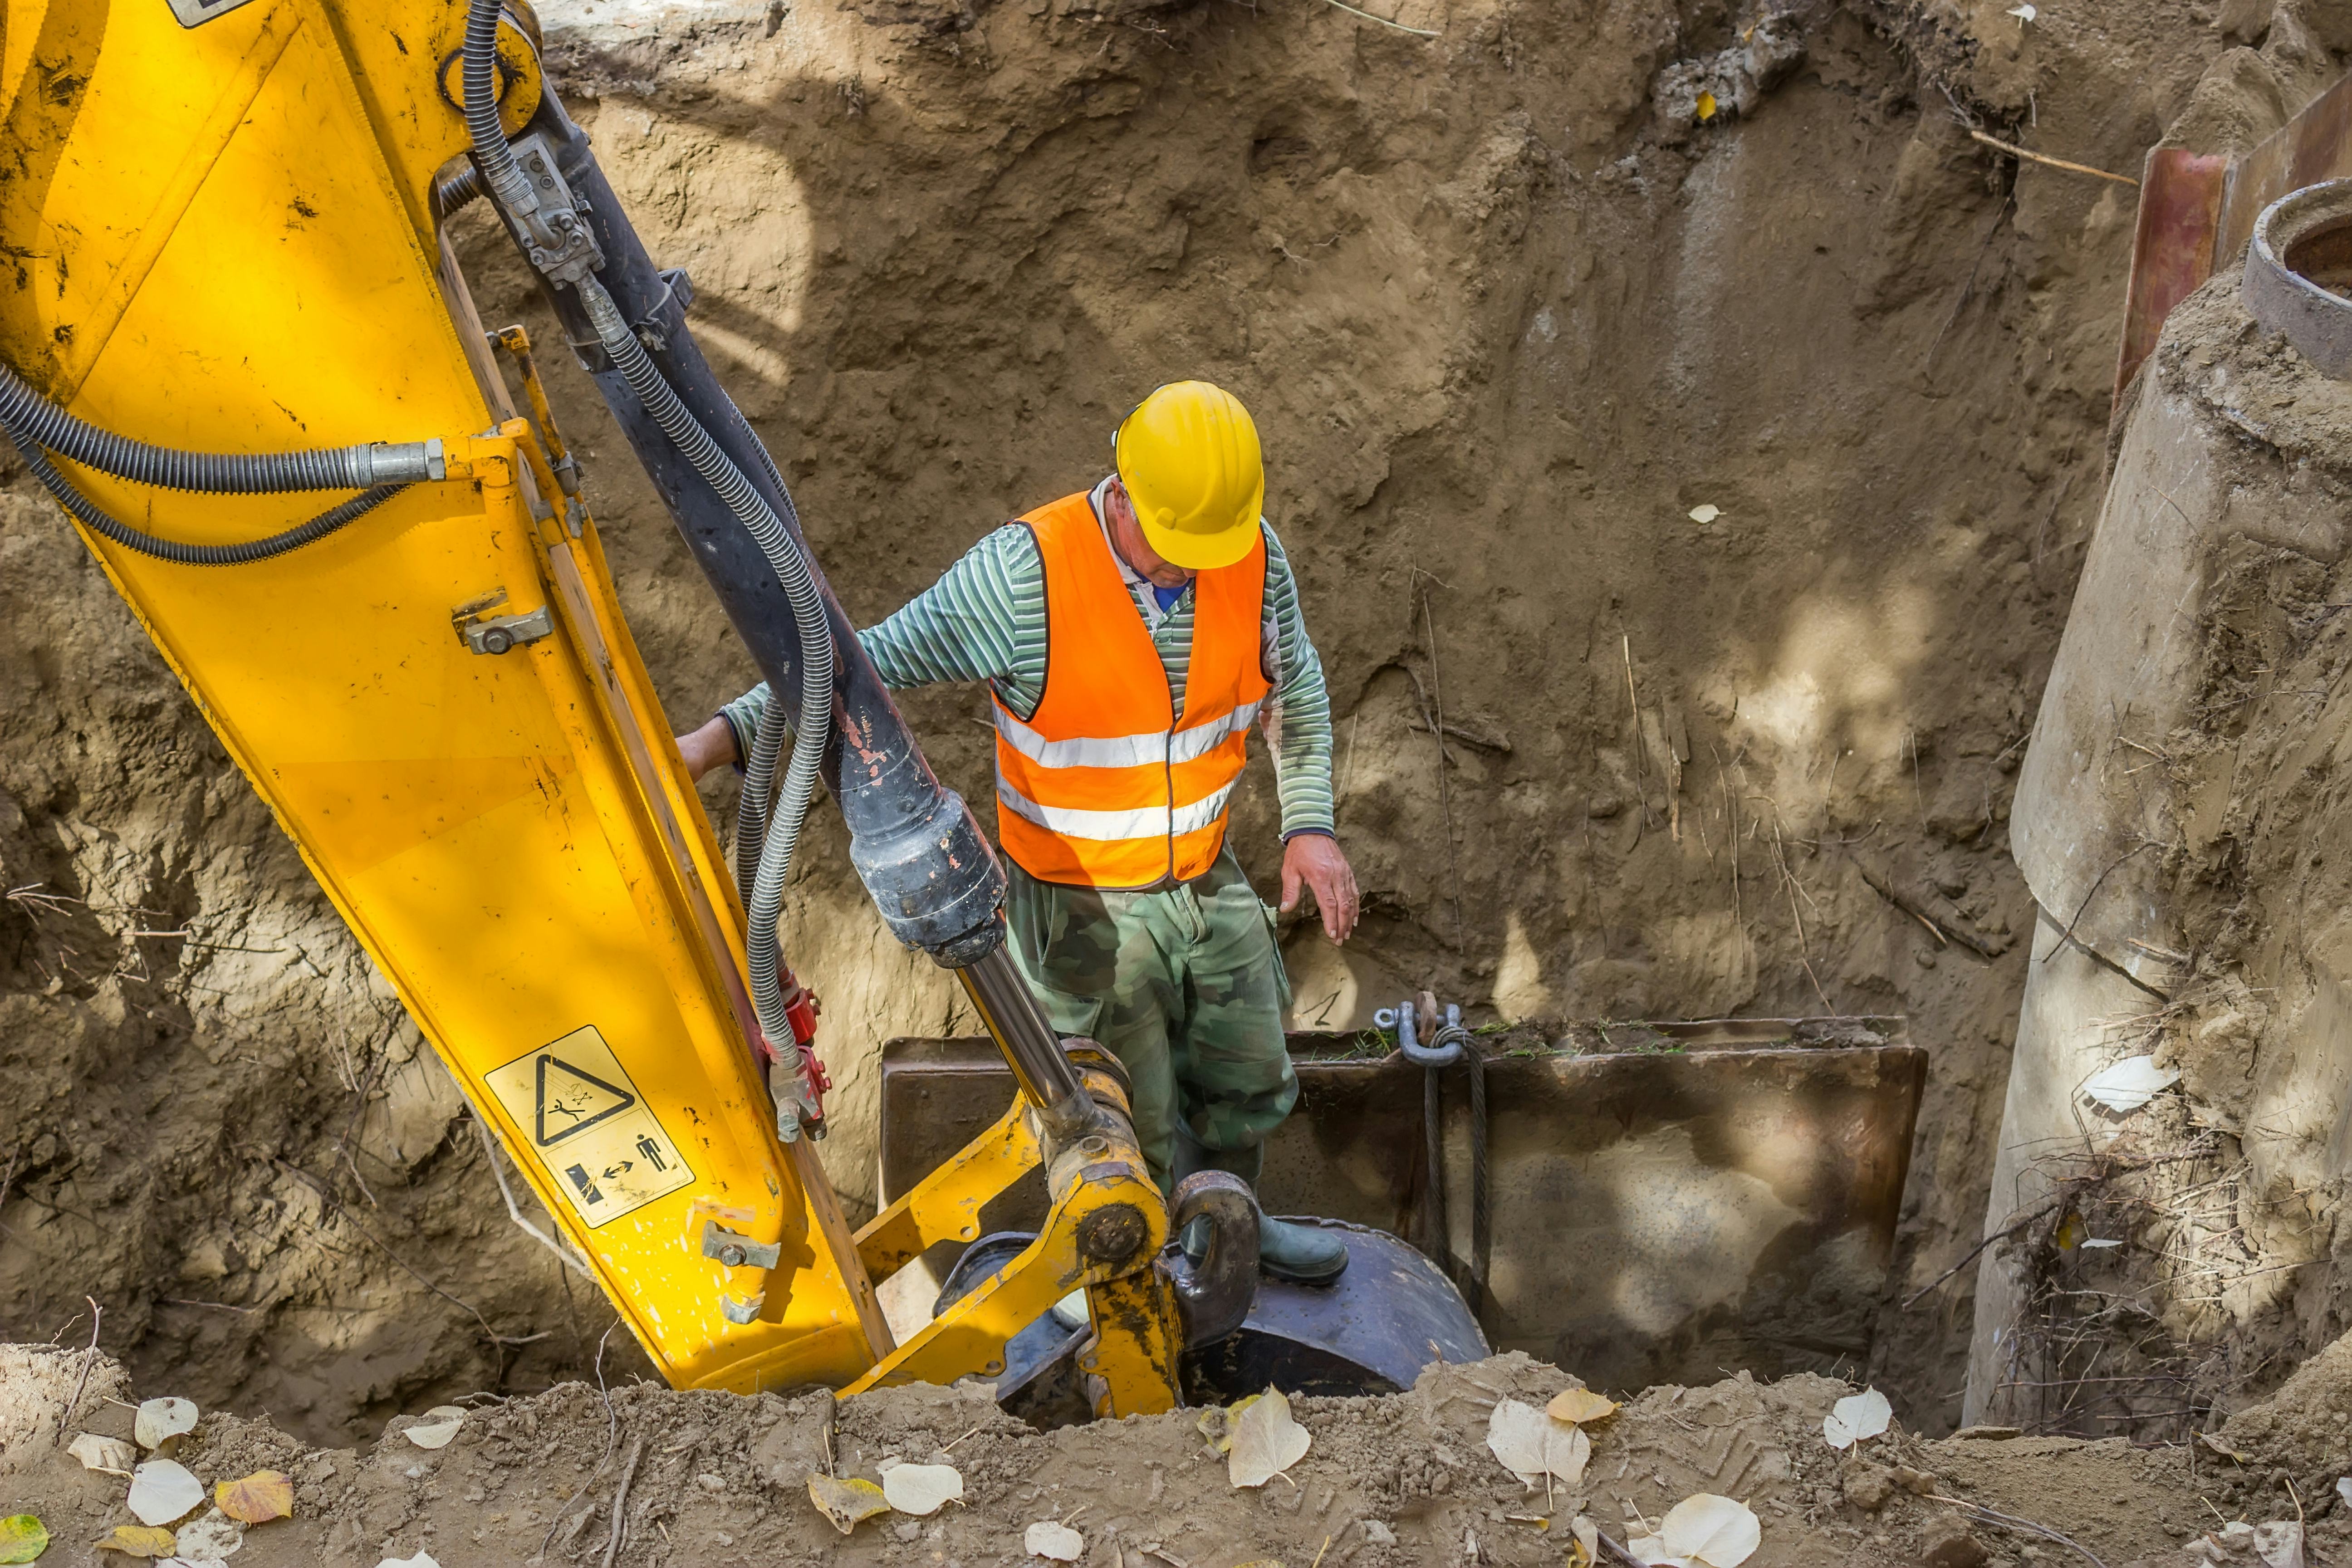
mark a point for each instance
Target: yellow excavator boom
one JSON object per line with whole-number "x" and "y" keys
{"x": 221, "y": 226}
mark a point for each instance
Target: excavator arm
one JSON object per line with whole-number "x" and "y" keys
{"x": 239, "y": 351}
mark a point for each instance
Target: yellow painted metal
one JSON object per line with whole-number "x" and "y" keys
{"x": 945, "y": 1205}
{"x": 224, "y": 242}
{"x": 1132, "y": 1355}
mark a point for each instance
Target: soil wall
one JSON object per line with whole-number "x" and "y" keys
{"x": 1714, "y": 491}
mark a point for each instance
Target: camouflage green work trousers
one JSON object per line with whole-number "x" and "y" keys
{"x": 1184, "y": 985}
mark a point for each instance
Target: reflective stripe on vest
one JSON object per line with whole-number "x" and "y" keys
{"x": 1105, "y": 785}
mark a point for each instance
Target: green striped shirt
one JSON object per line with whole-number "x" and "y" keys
{"x": 984, "y": 619}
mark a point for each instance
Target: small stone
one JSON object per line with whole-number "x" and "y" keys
{"x": 1868, "y": 1486}
{"x": 1946, "y": 1543}
{"x": 1378, "y": 1533}
{"x": 907, "y": 1530}
{"x": 1917, "y": 1482}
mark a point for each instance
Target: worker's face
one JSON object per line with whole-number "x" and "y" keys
{"x": 1128, "y": 534}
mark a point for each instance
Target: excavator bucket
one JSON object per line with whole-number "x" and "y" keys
{"x": 1690, "y": 1196}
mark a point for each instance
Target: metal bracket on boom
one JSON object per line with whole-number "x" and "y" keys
{"x": 499, "y": 634}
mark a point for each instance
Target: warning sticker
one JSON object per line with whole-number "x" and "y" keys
{"x": 590, "y": 1127}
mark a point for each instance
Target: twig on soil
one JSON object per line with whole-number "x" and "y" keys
{"x": 514, "y": 1213}
{"x": 1884, "y": 888}
{"x": 2023, "y": 1526}
{"x": 1383, "y": 21}
{"x": 612, "y": 1416}
{"x": 2043, "y": 158}
{"x": 621, "y": 1503}
{"x": 2067, "y": 935}
{"x": 89, "y": 1359}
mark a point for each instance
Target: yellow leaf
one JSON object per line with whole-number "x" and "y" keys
{"x": 844, "y": 1503}
{"x": 22, "y": 1538}
{"x": 1706, "y": 106}
{"x": 138, "y": 1541}
{"x": 259, "y": 1496}
{"x": 2070, "y": 1232}
{"x": 1578, "y": 1406}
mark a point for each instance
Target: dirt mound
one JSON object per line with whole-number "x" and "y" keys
{"x": 1686, "y": 512}
{"x": 1403, "y": 1479}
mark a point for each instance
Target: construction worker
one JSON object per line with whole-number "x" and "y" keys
{"x": 1129, "y": 635}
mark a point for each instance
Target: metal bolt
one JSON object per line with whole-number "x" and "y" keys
{"x": 498, "y": 639}
{"x": 731, "y": 1256}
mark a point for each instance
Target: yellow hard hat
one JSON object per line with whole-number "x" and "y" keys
{"x": 1188, "y": 457}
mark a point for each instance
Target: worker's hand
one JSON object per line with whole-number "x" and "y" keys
{"x": 709, "y": 747}
{"x": 1313, "y": 860}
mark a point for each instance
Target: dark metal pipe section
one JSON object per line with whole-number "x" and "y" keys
{"x": 1031, "y": 1046}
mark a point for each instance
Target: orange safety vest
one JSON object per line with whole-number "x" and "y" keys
{"x": 1105, "y": 785}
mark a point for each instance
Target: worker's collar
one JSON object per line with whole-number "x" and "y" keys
{"x": 1139, "y": 588}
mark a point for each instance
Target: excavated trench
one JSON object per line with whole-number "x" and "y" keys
{"x": 1687, "y": 512}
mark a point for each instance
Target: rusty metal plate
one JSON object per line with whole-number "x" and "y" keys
{"x": 1658, "y": 1214}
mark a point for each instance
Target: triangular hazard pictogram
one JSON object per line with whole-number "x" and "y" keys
{"x": 571, "y": 1100}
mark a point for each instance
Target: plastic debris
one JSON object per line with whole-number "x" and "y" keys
{"x": 1058, "y": 1542}
{"x": 137, "y": 1540}
{"x": 847, "y": 1503}
{"x": 922, "y": 1489}
{"x": 23, "y": 1538}
{"x": 1579, "y": 1405}
{"x": 1856, "y": 1417}
{"x": 1702, "y": 1531}
{"x": 1530, "y": 1443}
{"x": 160, "y": 1420}
{"x": 215, "y": 1537}
{"x": 161, "y": 1491}
{"x": 110, "y": 1455}
{"x": 2130, "y": 1084}
{"x": 257, "y": 1499}
{"x": 436, "y": 1426}
{"x": 2279, "y": 1543}
{"x": 1706, "y": 511}
{"x": 1266, "y": 1441}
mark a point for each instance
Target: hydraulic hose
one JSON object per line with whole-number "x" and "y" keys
{"x": 32, "y": 418}
{"x": 784, "y": 819}
{"x": 776, "y": 825}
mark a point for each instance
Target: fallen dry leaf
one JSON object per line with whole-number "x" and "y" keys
{"x": 257, "y": 1499}
{"x": 2213, "y": 1442}
{"x": 110, "y": 1454}
{"x": 1056, "y": 1541}
{"x": 1530, "y": 1443}
{"x": 215, "y": 1537}
{"x": 1706, "y": 511}
{"x": 422, "y": 1560}
{"x": 436, "y": 1426}
{"x": 1578, "y": 1406}
{"x": 922, "y": 1489}
{"x": 1587, "y": 1536}
{"x": 161, "y": 1491}
{"x": 1702, "y": 1531}
{"x": 137, "y": 1540}
{"x": 160, "y": 1420}
{"x": 1266, "y": 1441}
{"x": 1855, "y": 1417}
{"x": 23, "y": 1538}
{"x": 847, "y": 1503}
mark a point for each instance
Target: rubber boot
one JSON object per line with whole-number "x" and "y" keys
{"x": 1303, "y": 1255}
